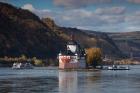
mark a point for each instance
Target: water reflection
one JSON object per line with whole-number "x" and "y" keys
{"x": 93, "y": 77}
{"x": 78, "y": 82}
{"x": 89, "y": 83}
{"x": 68, "y": 82}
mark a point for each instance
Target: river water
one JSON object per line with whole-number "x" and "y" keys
{"x": 52, "y": 80}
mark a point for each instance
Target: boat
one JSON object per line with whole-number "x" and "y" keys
{"x": 22, "y": 65}
{"x": 115, "y": 67}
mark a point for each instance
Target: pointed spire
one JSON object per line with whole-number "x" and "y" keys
{"x": 71, "y": 37}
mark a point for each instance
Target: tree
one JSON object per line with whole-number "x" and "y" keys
{"x": 38, "y": 62}
{"x": 23, "y": 57}
{"x": 93, "y": 56}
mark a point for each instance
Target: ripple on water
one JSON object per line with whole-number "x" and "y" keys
{"x": 52, "y": 80}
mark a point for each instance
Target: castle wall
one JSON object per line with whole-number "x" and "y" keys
{"x": 71, "y": 62}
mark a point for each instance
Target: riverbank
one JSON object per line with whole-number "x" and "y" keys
{"x": 123, "y": 62}
{"x": 8, "y": 61}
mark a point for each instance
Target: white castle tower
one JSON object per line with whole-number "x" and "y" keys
{"x": 73, "y": 58}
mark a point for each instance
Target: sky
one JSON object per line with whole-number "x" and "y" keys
{"x": 96, "y": 15}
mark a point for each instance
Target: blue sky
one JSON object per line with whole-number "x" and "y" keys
{"x": 97, "y": 15}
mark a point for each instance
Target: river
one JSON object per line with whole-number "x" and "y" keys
{"x": 52, "y": 80}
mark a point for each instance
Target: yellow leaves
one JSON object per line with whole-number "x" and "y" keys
{"x": 23, "y": 57}
{"x": 38, "y": 62}
{"x": 93, "y": 55}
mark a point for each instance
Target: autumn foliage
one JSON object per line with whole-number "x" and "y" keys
{"x": 93, "y": 56}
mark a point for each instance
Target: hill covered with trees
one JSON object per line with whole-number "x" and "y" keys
{"x": 127, "y": 42}
{"x": 88, "y": 39}
{"x": 24, "y": 33}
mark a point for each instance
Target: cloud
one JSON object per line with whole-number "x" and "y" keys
{"x": 78, "y": 3}
{"x": 134, "y": 1}
{"x": 41, "y": 13}
{"x": 79, "y": 13}
{"x": 84, "y": 3}
{"x": 133, "y": 19}
{"x": 44, "y": 13}
{"x": 91, "y": 20}
{"x": 28, "y": 7}
{"x": 87, "y": 19}
{"x": 104, "y": 28}
{"x": 111, "y": 10}
{"x": 5, "y": 1}
{"x": 78, "y": 17}
{"x": 100, "y": 19}
{"x": 113, "y": 19}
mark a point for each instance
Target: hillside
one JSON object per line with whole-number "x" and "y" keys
{"x": 86, "y": 38}
{"x": 22, "y": 32}
{"x": 128, "y": 42}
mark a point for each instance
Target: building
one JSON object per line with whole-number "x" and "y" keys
{"x": 73, "y": 57}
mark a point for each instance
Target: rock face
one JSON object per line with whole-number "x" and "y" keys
{"x": 127, "y": 42}
{"x": 22, "y": 32}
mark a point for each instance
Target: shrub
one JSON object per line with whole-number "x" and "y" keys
{"x": 38, "y": 62}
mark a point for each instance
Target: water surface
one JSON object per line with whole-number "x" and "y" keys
{"x": 52, "y": 80}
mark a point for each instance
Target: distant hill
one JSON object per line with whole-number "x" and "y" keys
{"x": 127, "y": 42}
{"x": 22, "y": 32}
